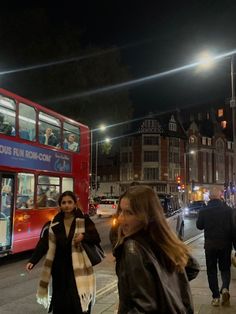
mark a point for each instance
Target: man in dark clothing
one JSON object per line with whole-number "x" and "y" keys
{"x": 216, "y": 219}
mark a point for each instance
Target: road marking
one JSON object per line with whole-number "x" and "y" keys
{"x": 193, "y": 238}
{"x": 113, "y": 284}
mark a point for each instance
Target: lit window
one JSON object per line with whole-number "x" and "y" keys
{"x": 224, "y": 124}
{"x": 220, "y": 112}
{"x": 209, "y": 141}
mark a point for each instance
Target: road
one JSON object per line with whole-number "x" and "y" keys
{"x": 18, "y": 287}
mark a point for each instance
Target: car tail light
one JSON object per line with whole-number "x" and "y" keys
{"x": 114, "y": 206}
{"x": 97, "y": 206}
{"x": 114, "y": 222}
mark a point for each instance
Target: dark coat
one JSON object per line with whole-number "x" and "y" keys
{"x": 52, "y": 140}
{"x": 65, "y": 297}
{"x": 145, "y": 286}
{"x": 216, "y": 219}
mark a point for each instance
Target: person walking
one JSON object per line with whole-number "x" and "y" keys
{"x": 216, "y": 221}
{"x": 150, "y": 259}
{"x": 73, "y": 280}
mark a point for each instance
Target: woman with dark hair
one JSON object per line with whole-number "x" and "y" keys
{"x": 73, "y": 280}
{"x": 150, "y": 259}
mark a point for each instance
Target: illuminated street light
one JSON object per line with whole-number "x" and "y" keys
{"x": 206, "y": 60}
{"x": 102, "y": 127}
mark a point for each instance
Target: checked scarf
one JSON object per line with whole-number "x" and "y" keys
{"x": 83, "y": 270}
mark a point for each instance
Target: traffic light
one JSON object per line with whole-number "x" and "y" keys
{"x": 178, "y": 179}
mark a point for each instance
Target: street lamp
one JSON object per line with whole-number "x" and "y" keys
{"x": 102, "y": 128}
{"x": 233, "y": 105}
{"x": 186, "y": 171}
{"x": 209, "y": 60}
{"x": 107, "y": 140}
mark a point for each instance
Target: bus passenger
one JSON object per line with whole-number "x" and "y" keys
{"x": 73, "y": 280}
{"x": 6, "y": 127}
{"x": 49, "y": 138}
{"x": 41, "y": 197}
{"x": 70, "y": 143}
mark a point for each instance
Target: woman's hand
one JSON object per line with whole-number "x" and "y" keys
{"x": 78, "y": 238}
{"x": 29, "y": 266}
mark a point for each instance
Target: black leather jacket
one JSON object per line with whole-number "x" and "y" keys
{"x": 216, "y": 219}
{"x": 145, "y": 286}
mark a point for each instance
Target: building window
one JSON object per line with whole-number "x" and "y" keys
{"x": 124, "y": 157}
{"x": 173, "y": 141}
{"x": 229, "y": 145}
{"x": 151, "y": 140}
{"x": 151, "y": 156}
{"x": 209, "y": 141}
{"x": 204, "y": 139}
{"x": 220, "y": 112}
{"x": 223, "y": 124}
{"x": 174, "y": 157}
{"x": 172, "y": 126}
{"x": 151, "y": 174}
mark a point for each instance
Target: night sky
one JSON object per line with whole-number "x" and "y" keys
{"x": 153, "y": 37}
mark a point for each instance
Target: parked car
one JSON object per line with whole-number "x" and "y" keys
{"x": 173, "y": 210}
{"x": 193, "y": 208}
{"x": 107, "y": 207}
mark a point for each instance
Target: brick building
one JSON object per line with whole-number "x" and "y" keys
{"x": 194, "y": 144}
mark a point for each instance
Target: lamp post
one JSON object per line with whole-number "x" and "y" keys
{"x": 208, "y": 61}
{"x": 233, "y": 105}
{"x": 107, "y": 140}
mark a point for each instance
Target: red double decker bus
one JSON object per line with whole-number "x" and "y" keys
{"x": 42, "y": 154}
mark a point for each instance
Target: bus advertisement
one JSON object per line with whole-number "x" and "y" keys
{"x": 42, "y": 154}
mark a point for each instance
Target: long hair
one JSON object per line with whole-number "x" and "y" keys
{"x": 67, "y": 193}
{"x": 146, "y": 206}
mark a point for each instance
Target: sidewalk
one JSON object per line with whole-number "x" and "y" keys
{"x": 107, "y": 296}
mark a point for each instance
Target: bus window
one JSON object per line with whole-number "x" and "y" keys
{"x": 49, "y": 130}
{"x": 25, "y": 191}
{"x": 27, "y": 117}
{"x": 67, "y": 184}
{"x": 48, "y": 191}
{"x": 7, "y": 116}
{"x": 71, "y": 137}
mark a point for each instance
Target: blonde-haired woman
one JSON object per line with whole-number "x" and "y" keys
{"x": 150, "y": 259}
